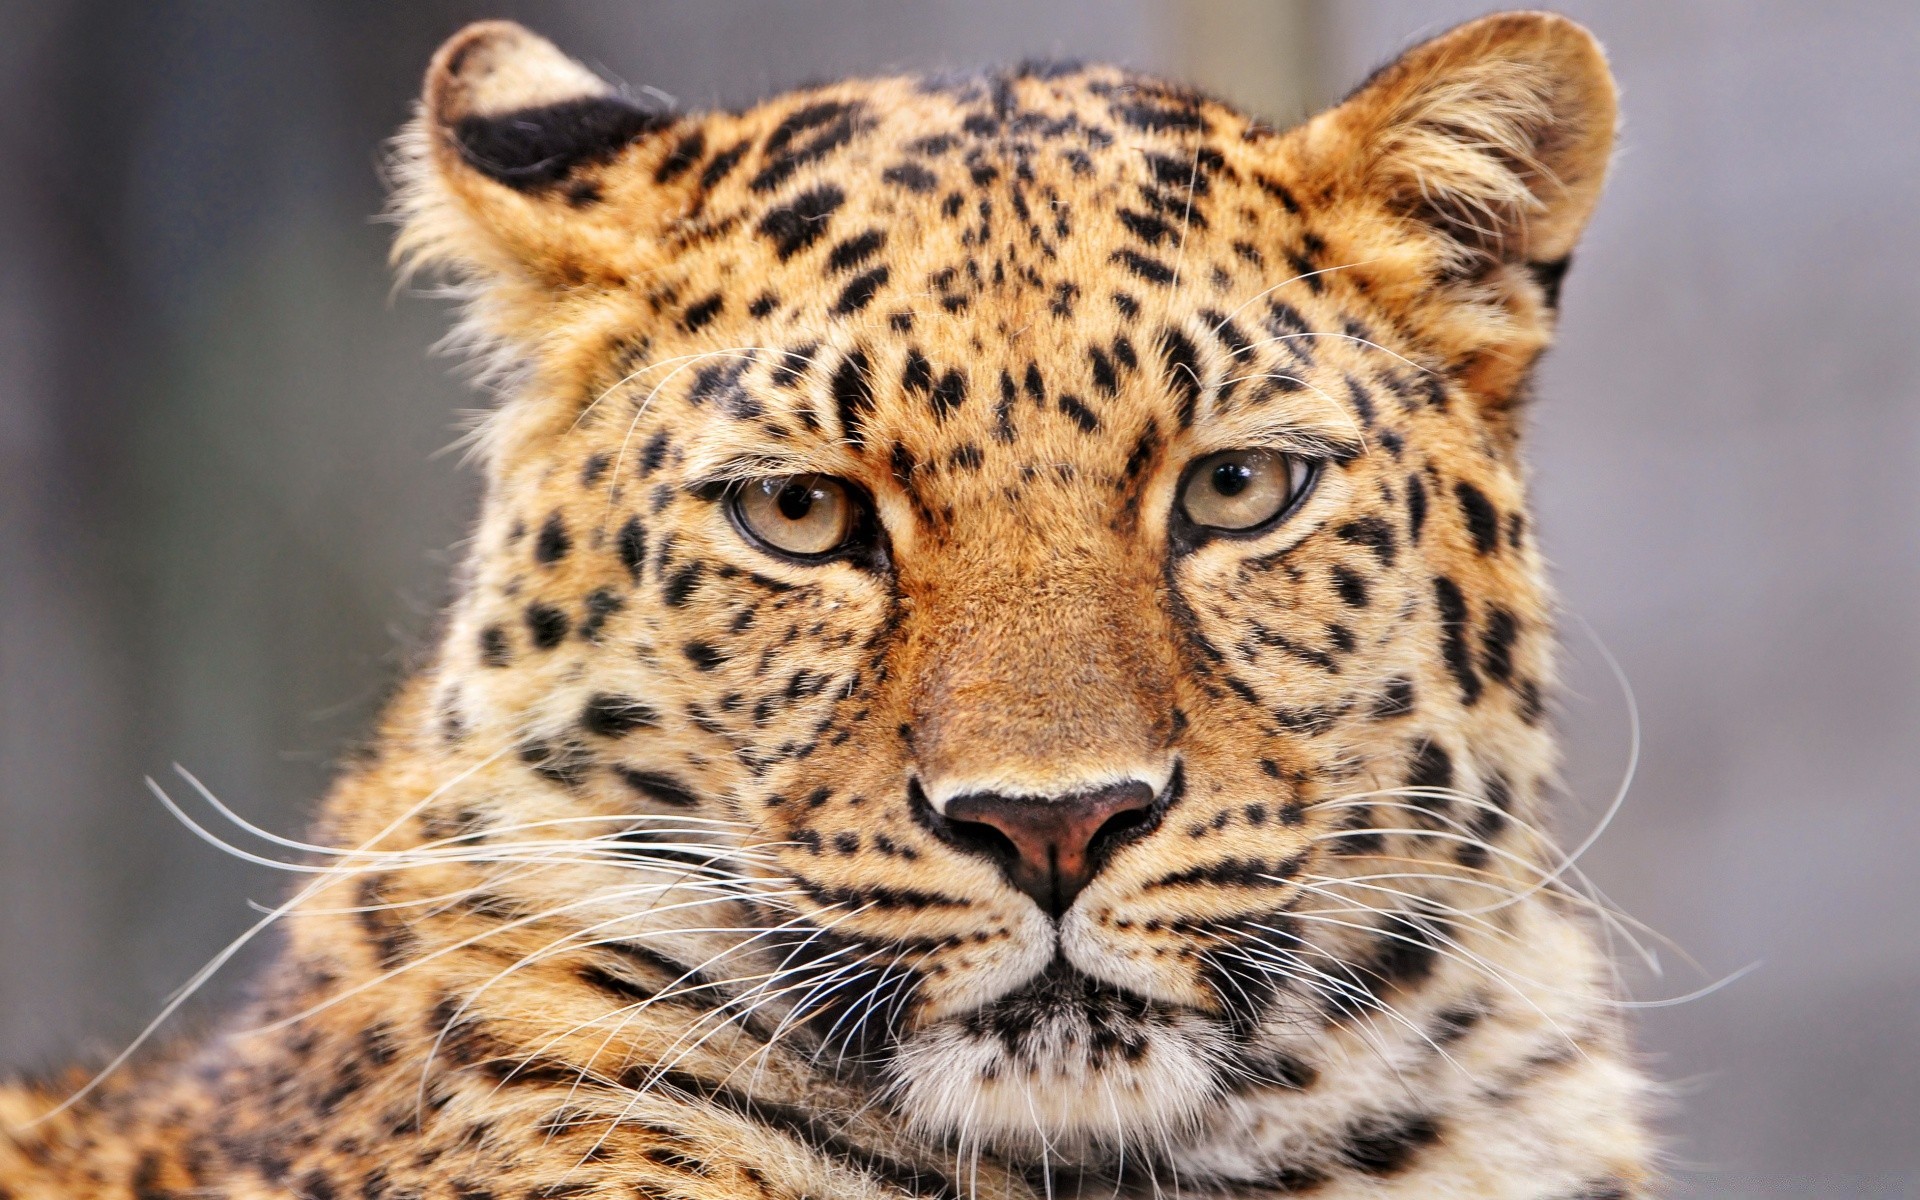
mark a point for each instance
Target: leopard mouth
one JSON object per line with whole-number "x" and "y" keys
{"x": 1110, "y": 1020}
{"x": 1065, "y": 1060}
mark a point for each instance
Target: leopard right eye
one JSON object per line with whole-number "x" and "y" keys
{"x": 801, "y": 516}
{"x": 1238, "y": 491}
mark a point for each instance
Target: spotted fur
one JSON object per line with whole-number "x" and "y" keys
{"x": 644, "y": 888}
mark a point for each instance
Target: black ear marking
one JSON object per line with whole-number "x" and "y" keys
{"x": 531, "y": 149}
{"x": 1549, "y": 275}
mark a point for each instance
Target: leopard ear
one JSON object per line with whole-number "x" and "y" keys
{"x": 506, "y": 173}
{"x": 1495, "y": 135}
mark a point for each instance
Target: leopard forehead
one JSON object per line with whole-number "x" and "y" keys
{"x": 1004, "y": 305}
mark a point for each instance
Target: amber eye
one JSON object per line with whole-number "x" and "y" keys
{"x": 1241, "y": 489}
{"x": 803, "y": 515}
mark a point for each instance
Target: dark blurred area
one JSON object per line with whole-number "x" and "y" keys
{"x": 228, "y": 508}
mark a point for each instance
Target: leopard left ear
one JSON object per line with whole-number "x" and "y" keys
{"x": 506, "y": 173}
{"x": 1478, "y": 157}
{"x": 1495, "y": 135}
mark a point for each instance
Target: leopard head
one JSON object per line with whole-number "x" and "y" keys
{"x": 1064, "y": 538}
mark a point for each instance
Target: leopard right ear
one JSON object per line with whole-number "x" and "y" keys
{"x": 522, "y": 171}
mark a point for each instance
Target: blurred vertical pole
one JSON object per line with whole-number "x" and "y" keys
{"x": 1264, "y": 55}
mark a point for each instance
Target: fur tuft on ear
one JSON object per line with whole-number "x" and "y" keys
{"x": 1495, "y": 134}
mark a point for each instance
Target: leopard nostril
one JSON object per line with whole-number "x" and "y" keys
{"x": 1048, "y": 847}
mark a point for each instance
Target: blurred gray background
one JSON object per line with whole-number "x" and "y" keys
{"x": 224, "y": 524}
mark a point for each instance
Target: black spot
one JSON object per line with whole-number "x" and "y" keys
{"x": 548, "y": 625}
{"x": 493, "y": 647}
{"x": 1103, "y": 374}
{"x": 720, "y": 383}
{"x": 1150, "y": 269}
{"x": 1550, "y": 275}
{"x": 801, "y": 221}
{"x": 917, "y": 376}
{"x": 530, "y": 149}
{"x": 1362, "y": 401}
{"x": 1496, "y": 644}
{"x": 601, "y": 604}
{"x": 654, "y": 453}
{"x": 1373, "y": 533}
{"x": 703, "y": 655}
{"x": 1432, "y": 768}
{"x": 792, "y": 368}
{"x": 633, "y": 547}
{"x": 1148, "y": 228}
{"x": 855, "y": 250}
{"x": 616, "y": 716}
{"x": 835, "y": 121}
{"x": 1351, "y": 586}
{"x": 1416, "y": 506}
{"x": 1483, "y": 522}
{"x": 1278, "y": 191}
{"x": 699, "y": 315}
{"x": 553, "y": 543}
{"x": 1387, "y": 1145}
{"x": 1532, "y": 705}
{"x": 1064, "y": 294}
{"x": 723, "y": 164}
{"x": 912, "y": 176}
{"x": 852, "y": 397}
{"x": 1084, "y": 417}
{"x": 948, "y": 394}
{"x": 1159, "y": 119}
{"x": 1187, "y": 174}
{"x": 1035, "y": 389}
{"x": 1404, "y": 956}
{"x": 1452, "y": 607}
{"x": 1128, "y": 306}
{"x": 762, "y": 305}
{"x": 1143, "y": 451}
{"x": 1396, "y": 699}
{"x": 859, "y": 292}
{"x": 664, "y": 788}
{"x": 565, "y": 764}
{"x": 682, "y": 584}
{"x": 1276, "y": 1068}
{"x": 1452, "y": 1024}
{"x": 680, "y": 159}
{"x": 1183, "y": 372}
{"x": 595, "y": 467}
{"x": 967, "y": 457}
{"x": 1003, "y": 409}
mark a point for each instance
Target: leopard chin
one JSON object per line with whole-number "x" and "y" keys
{"x": 1066, "y": 1065}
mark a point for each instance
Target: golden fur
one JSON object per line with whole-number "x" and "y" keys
{"x": 646, "y": 886}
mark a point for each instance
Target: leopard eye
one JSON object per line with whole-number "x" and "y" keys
{"x": 803, "y": 515}
{"x": 1237, "y": 490}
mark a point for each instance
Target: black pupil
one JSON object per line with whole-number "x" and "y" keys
{"x": 795, "y": 501}
{"x": 1232, "y": 478}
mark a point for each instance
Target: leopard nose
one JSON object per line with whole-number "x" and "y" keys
{"x": 1049, "y": 847}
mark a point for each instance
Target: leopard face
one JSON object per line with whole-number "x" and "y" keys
{"x": 1064, "y": 539}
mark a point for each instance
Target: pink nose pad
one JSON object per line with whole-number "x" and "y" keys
{"x": 1050, "y": 848}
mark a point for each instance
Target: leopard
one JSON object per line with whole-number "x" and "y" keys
{"x": 1003, "y": 654}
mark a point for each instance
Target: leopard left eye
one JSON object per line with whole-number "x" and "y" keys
{"x": 1236, "y": 491}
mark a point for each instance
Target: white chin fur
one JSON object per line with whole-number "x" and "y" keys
{"x": 1060, "y": 1085}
